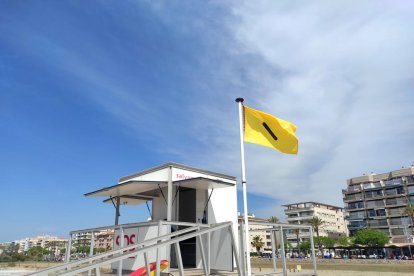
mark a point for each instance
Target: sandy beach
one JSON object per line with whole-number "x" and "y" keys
{"x": 268, "y": 271}
{"x": 263, "y": 267}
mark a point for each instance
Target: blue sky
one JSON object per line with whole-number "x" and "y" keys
{"x": 94, "y": 90}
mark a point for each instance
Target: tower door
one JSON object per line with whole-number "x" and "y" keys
{"x": 187, "y": 213}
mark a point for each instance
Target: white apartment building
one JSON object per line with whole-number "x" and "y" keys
{"x": 51, "y": 243}
{"x": 263, "y": 234}
{"x": 102, "y": 240}
{"x": 82, "y": 239}
{"x": 301, "y": 213}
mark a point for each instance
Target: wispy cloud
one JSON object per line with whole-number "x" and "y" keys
{"x": 164, "y": 75}
{"x": 342, "y": 73}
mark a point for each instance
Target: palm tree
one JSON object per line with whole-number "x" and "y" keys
{"x": 409, "y": 210}
{"x": 273, "y": 219}
{"x": 257, "y": 242}
{"x": 317, "y": 223}
{"x": 297, "y": 232}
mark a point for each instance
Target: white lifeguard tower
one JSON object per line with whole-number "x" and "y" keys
{"x": 182, "y": 194}
{"x": 193, "y": 225}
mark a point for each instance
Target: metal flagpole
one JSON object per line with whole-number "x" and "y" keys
{"x": 243, "y": 169}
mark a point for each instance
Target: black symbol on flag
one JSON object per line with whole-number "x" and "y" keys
{"x": 270, "y": 131}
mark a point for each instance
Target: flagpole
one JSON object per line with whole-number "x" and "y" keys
{"x": 243, "y": 170}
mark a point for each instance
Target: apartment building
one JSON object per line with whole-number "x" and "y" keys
{"x": 378, "y": 201}
{"x": 301, "y": 213}
{"x": 104, "y": 239}
{"x": 51, "y": 243}
{"x": 82, "y": 239}
{"x": 253, "y": 227}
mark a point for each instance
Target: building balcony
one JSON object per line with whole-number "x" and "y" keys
{"x": 374, "y": 188}
{"x": 374, "y": 197}
{"x": 301, "y": 236}
{"x": 354, "y": 187}
{"x": 396, "y": 205}
{"x": 356, "y": 227}
{"x": 394, "y": 195}
{"x": 354, "y": 196}
{"x": 394, "y": 215}
{"x": 299, "y": 218}
{"x": 296, "y": 210}
{"x": 399, "y": 239}
{"x": 376, "y": 205}
{"x": 397, "y": 232}
{"x": 350, "y": 192}
{"x": 395, "y": 225}
{"x": 378, "y": 225}
{"x": 378, "y": 217}
{"x": 356, "y": 218}
{"x": 393, "y": 183}
{"x": 348, "y": 200}
{"x": 354, "y": 208}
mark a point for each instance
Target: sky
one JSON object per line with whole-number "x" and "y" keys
{"x": 94, "y": 90}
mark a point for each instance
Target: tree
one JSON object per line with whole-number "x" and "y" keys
{"x": 371, "y": 237}
{"x": 257, "y": 243}
{"x": 99, "y": 250}
{"x": 273, "y": 219}
{"x": 13, "y": 248}
{"x": 37, "y": 252}
{"x": 343, "y": 241}
{"x": 83, "y": 249}
{"x": 409, "y": 210}
{"x": 288, "y": 245}
{"x": 327, "y": 242}
{"x": 317, "y": 223}
{"x": 305, "y": 246}
{"x": 297, "y": 232}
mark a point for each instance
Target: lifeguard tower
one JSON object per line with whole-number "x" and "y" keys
{"x": 182, "y": 194}
{"x": 193, "y": 225}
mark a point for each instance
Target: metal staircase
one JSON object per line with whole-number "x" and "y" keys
{"x": 92, "y": 264}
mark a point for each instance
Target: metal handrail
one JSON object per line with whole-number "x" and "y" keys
{"x": 271, "y": 226}
{"x": 94, "y": 262}
{"x": 129, "y": 225}
{"x": 120, "y": 227}
{"x": 116, "y": 251}
{"x": 280, "y": 227}
{"x": 151, "y": 247}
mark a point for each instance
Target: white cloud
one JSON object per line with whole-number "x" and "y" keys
{"x": 342, "y": 73}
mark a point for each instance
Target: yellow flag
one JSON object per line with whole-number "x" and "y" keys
{"x": 267, "y": 130}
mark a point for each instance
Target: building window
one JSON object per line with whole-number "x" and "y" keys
{"x": 400, "y": 190}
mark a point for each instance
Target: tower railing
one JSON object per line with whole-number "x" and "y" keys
{"x": 93, "y": 263}
{"x": 277, "y": 233}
